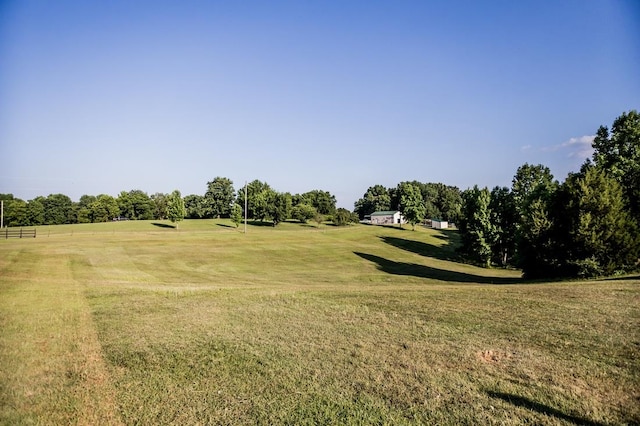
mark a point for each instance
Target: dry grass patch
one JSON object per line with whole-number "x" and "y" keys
{"x": 52, "y": 366}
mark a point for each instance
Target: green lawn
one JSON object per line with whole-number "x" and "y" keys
{"x": 140, "y": 323}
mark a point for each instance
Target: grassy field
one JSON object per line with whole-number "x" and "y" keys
{"x": 139, "y": 323}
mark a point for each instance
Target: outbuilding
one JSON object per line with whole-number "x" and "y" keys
{"x": 387, "y": 217}
{"x": 439, "y": 224}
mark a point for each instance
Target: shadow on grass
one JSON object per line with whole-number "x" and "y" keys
{"x": 446, "y": 252}
{"x": 259, "y": 223}
{"x": 521, "y": 401}
{"x": 623, "y": 278}
{"x": 421, "y": 271}
{"x": 163, "y": 225}
{"x": 443, "y": 236}
{"x": 224, "y": 225}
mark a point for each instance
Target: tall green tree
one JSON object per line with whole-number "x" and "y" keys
{"x": 58, "y": 209}
{"x": 431, "y": 195}
{"x": 257, "y": 192}
{"x": 135, "y": 205}
{"x": 159, "y": 205}
{"x": 534, "y": 196}
{"x": 537, "y": 243}
{"x": 35, "y": 212}
{"x": 261, "y": 203}
{"x": 505, "y": 218}
{"x": 376, "y": 198}
{"x": 82, "y": 210}
{"x": 195, "y": 206}
{"x": 322, "y": 201}
{"x": 279, "y": 207}
{"x": 411, "y": 204}
{"x": 449, "y": 202}
{"x": 103, "y": 209}
{"x": 618, "y": 153}
{"x": 477, "y": 231}
{"x": 175, "y": 207}
{"x": 15, "y": 211}
{"x": 599, "y": 237}
{"x": 529, "y": 184}
{"x": 303, "y": 213}
{"x": 219, "y": 197}
{"x": 236, "y": 214}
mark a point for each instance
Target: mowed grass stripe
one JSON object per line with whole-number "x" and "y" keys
{"x": 52, "y": 366}
{"x": 359, "y": 325}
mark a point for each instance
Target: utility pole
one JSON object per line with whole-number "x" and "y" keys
{"x": 245, "y": 206}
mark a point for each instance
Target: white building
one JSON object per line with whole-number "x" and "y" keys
{"x": 439, "y": 224}
{"x": 387, "y": 218}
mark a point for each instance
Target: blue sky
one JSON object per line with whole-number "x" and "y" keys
{"x": 100, "y": 97}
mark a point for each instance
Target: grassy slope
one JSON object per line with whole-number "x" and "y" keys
{"x": 138, "y": 323}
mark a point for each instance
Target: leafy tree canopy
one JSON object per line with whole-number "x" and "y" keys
{"x": 597, "y": 232}
{"x": 476, "y": 228}
{"x": 58, "y": 209}
{"x": 505, "y": 219}
{"x": 322, "y": 201}
{"x": 618, "y": 153}
{"x": 175, "y": 207}
{"x": 530, "y": 183}
{"x": 303, "y": 213}
{"x": 159, "y": 205}
{"x": 236, "y": 214}
{"x": 257, "y": 195}
{"x": 411, "y": 203}
{"x": 375, "y": 199}
{"x": 278, "y": 206}
{"x": 219, "y": 197}
{"x": 135, "y": 205}
{"x": 343, "y": 217}
{"x": 195, "y": 206}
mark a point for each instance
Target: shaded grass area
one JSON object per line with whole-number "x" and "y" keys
{"x": 443, "y": 251}
{"x": 294, "y": 325}
{"x": 541, "y": 408}
{"x": 423, "y": 271}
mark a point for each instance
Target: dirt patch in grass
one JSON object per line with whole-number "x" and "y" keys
{"x": 492, "y": 356}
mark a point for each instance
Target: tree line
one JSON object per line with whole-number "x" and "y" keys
{"x": 59, "y": 209}
{"x": 221, "y": 200}
{"x": 586, "y": 226}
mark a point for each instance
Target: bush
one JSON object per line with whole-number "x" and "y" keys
{"x": 343, "y": 217}
{"x": 303, "y": 213}
{"x": 588, "y": 268}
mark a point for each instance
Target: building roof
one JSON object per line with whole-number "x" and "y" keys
{"x": 385, "y": 213}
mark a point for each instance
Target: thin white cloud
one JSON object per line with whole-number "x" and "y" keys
{"x": 579, "y": 147}
{"x": 525, "y": 148}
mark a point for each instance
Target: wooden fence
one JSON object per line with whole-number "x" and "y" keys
{"x": 17, "y": 233}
